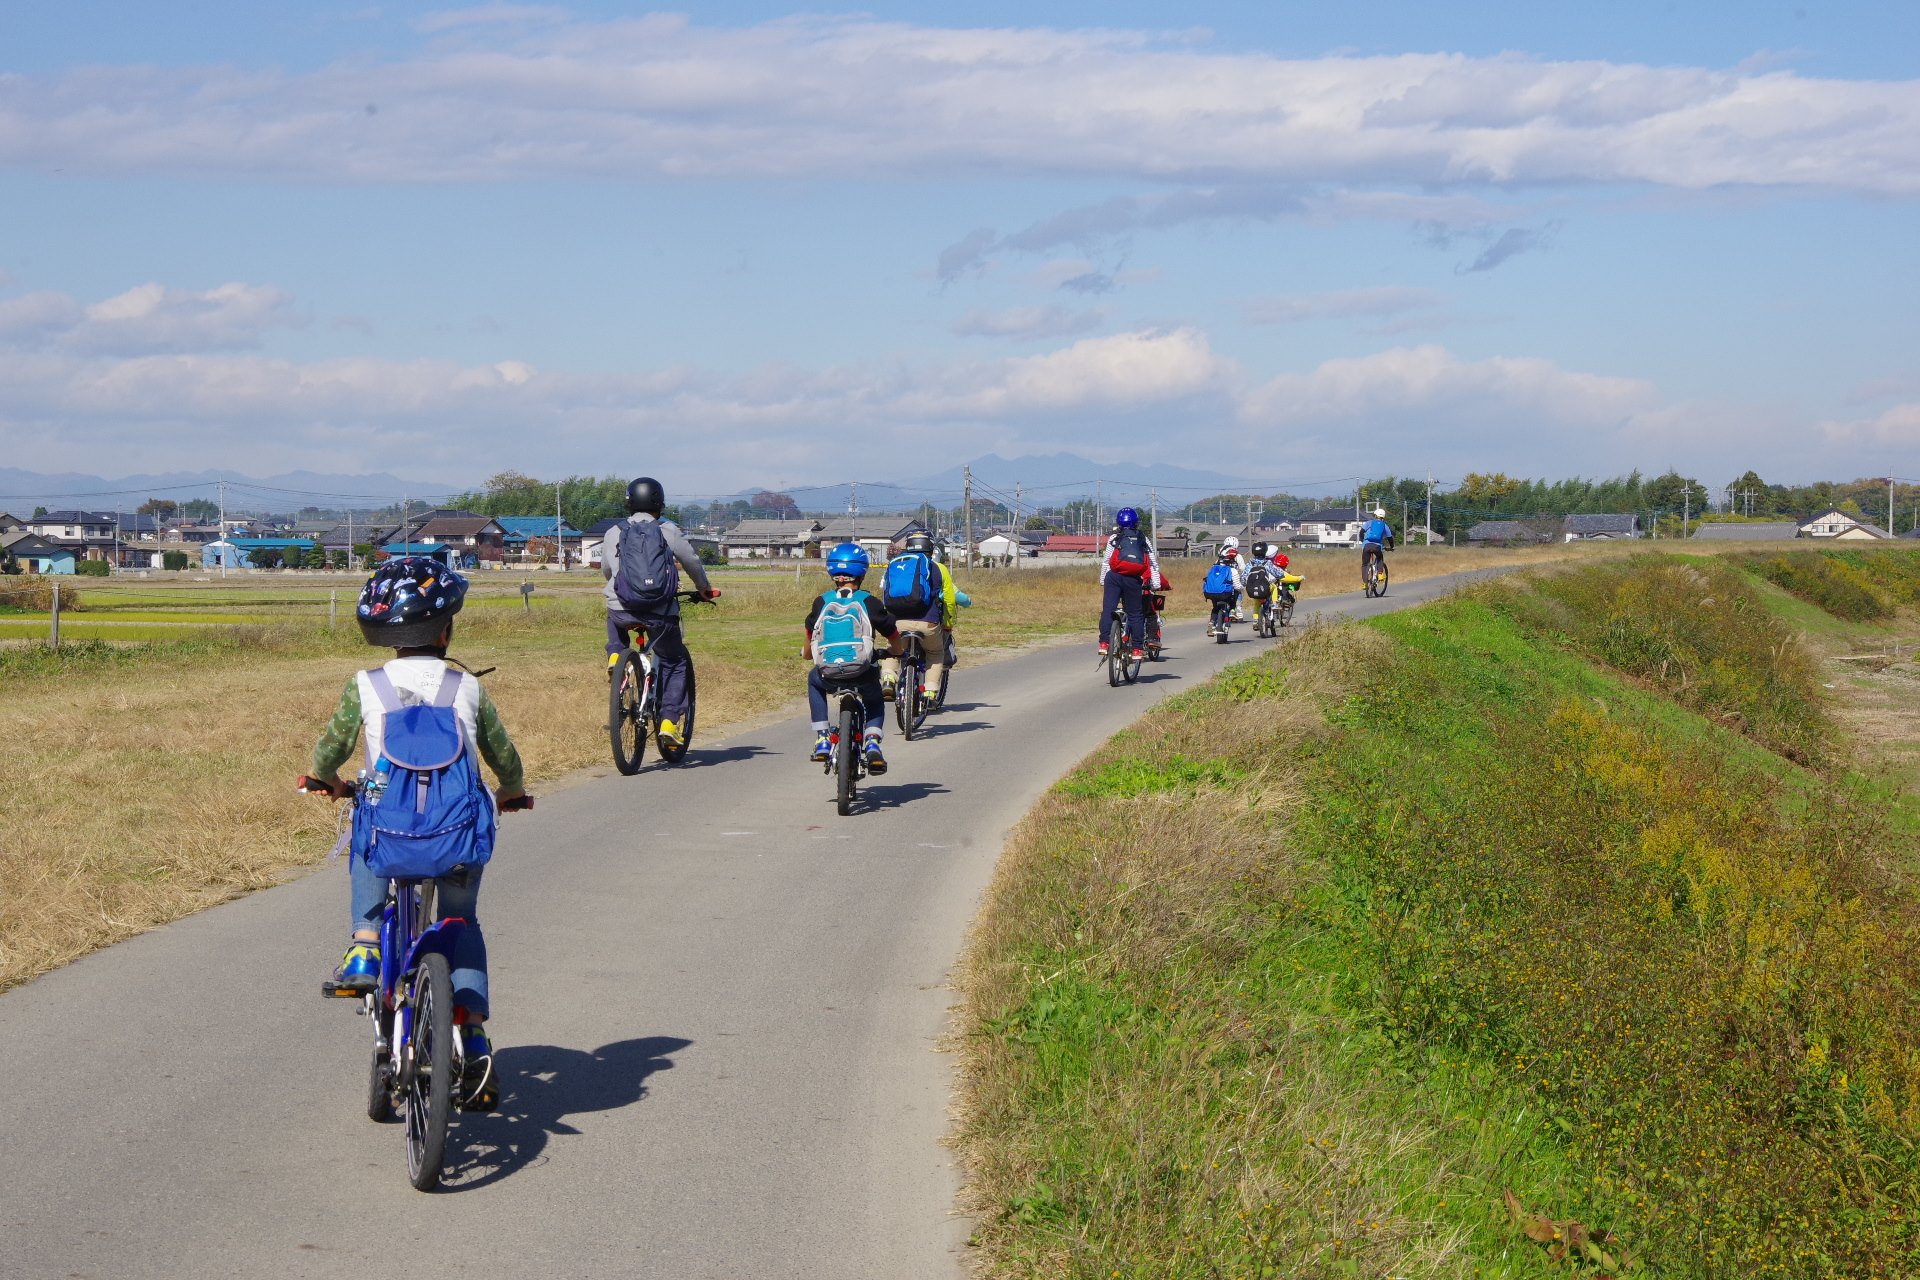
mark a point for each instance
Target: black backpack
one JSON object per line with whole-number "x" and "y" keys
{"x": 646, "y": 575}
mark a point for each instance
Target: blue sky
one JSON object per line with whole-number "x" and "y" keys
{"x": 744, "y": 244}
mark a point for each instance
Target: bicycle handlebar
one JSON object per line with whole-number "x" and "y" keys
{"x": 340, "y": 790}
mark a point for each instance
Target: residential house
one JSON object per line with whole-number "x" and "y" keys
{"x": 1009, "y": 544}
{"x": 476, "y": 540}
{"x": 1065, "y": 546}
{"x": 1747, "y": 531}
{"x": 1599, "y": 527}
{"x": 531, "y": 540}
{"x": 704, "y": 543}
{"x": 878, "y": 534}
{"x": 1835, "y": 523}
{"x": 1330, "y": 527}
{"x": 33, "y": 553}
{"x": 770, "y": 539}
{"x": 1513, "y": 533}
{"x": 198, "y": 534}
{"x": 237, "y": 553}
{"x": 88, "y": 534}
{"x": 10, "y": 522}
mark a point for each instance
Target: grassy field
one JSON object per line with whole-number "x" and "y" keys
{"x": 1556, "y": 929}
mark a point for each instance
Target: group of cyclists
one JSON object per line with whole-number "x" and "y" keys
{"x": 409, "y": 604}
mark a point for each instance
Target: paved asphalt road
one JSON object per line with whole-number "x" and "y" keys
{"x": 717, "y": 1005}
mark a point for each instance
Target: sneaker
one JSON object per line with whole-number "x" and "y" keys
{"x": 889, "y": 690}
{"x": 1104, "y": 649}
{"x": 1139, "y": 655}
{"x": 876, "y": 763}
{"x": 822, "y": 748}
{"x": 359, "y": 971}
{"x": 478, "y": 1091}
{"x": 613, "y": 660}
{"x": 669, "y": 736}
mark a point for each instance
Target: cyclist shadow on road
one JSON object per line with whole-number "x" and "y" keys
{"x": 699, "y": 758}
{"x": 540, "y": 1085}
{"x": 884, "y": 796}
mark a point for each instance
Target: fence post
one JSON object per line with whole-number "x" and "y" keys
{"x": 333, "y": 608}
{"x": 55, "y": 641}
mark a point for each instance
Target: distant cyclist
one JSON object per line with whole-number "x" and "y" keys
{"x": 919, "y": 592}
{"x": 1129, "y": 563}
{"x": 1376, "y": 540}
{"x": 641, "y": 560}
{"x": 856, "y": 617}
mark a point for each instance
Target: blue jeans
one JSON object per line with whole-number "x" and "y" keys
{"x": 455, "y": 895}
{"x": 872, "y": 700}
{"x": 671, "y": 661}
{"x": 1121, "y": 588}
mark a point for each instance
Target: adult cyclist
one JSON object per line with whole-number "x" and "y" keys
{"x": 641, "y": 595}
{"x": 1129, "y": 563}
{"x": 1375, "y": 541}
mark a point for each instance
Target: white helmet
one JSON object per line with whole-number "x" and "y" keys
{"x": 1230, "y": 542}
{"x": 1379, "y": 513}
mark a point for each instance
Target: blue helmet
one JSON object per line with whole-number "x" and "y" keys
{"x": 1127, "y": 518}
{"x": 849, "y": 559}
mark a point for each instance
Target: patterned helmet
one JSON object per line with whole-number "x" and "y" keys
{"x": 849, "y": 560}
{"x": 1127, "y": 518}
{"x": 408, "y": 601}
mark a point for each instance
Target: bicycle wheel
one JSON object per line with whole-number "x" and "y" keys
{"x": 1115, "y": 648}
{"x": 1130, "y": 666}
{"x": 1286, "y": 611}
{"x": 380, "y": 1073}
{"x": 912, "y": 697}
{"x": 429, "y": 1100}
{"x": 1153, "y": 637}
{"x": 626, "y": 713}
{"x": 1220, "y": 623}
{"x": 843, "y": 759}
{"x": 674, "y": 755}
{"x": 1380, "y": 579}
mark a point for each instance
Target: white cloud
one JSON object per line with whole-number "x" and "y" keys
{"x": 1897, "y": 428}
{"x": 508, "y": 91}
{"x": 149, "y": 318}
{"x": 1373, "y": 303}
{"x": 1026, "y": 323}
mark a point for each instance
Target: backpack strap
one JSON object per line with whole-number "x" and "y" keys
{"x": 449, "y": 688}
{"x": 383, "y": 689}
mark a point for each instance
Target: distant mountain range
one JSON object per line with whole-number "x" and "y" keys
{"x": 288, "y": 491}
{"x": 1041, "y": 480}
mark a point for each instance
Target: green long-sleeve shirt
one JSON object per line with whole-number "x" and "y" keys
{"x": 343, "y": 731}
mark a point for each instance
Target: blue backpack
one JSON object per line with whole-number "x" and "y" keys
{"x": 908, "y": 588}
{"x": 1219, "y": 581}
{"x": 646, "y": 575}
{"x": 425, "y": 811}
{"x": 843, "y": 636}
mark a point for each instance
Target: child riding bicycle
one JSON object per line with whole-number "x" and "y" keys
{"x": 1128, "y": 564}
{"x": 408, "y": 605}
{"x": 920, "y": 594}
{"x": 840, "y": 630}
{"x": 641, "y": 558}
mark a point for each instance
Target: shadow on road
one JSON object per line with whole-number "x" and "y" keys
{"x": 969, "y": 706}
{"x": 702, "y": 759}
{"x": 540, "y": 1085}
{"x": 892, "y": 796}
{"x": 943, "y": 728}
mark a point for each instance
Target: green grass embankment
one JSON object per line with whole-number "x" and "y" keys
{"x": 1536, "y": 932}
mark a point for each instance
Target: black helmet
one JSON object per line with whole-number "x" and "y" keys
{"x": 645, "y": 494}
{"x": 920, "y": 542}
{"x": 408, "y": 601}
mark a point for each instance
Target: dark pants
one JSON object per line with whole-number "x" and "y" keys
{"x": 867, "y": 688}
{"x": 670, "y": 659}
{"x": 1122, "y": 590}
{"x": 1372, "y": 551}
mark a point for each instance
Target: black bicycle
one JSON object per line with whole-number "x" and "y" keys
{"x": 910, "y": 695}
{"x": 1122, "y": 666}
{"x": 1217, "y": 620}
{"x": 846, "y": 756}
{"x": 633, "y": 702}
{"x": 1151, "y": 605}
{"x": 1373, "y": 574}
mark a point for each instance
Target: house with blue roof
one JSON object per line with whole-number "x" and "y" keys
{"x": 530, "y": 540}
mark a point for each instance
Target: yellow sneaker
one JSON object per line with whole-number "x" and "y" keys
{"x": 669, "y": 735}
{"x": 613, "y": 660}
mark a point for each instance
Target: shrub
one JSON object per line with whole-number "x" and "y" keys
{"x": 1827, "y": 581}
{"x": 92, "y": 568}
{"x": 173, "y": 560}
{"x": 33, "y": 593}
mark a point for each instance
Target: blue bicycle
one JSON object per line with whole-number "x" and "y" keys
{"x": 417, "y": 1057}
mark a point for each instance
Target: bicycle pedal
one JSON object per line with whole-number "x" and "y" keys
{"x": 334, "y": 991}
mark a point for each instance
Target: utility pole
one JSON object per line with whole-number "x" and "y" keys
{"x": 1019, "y": 529}
{"x": 1099, "y": 509}
{"x": 1889, "y": 505}
{"x": 1686, "y": 506}
{"x": 1428, "y": 538}
{"x": 1155, "y": 526}
{"x": 966, "y": 500}
{"x": 559, "y": 543}
{"x": 853, "y": 501}
{"x": 223, "y": 531}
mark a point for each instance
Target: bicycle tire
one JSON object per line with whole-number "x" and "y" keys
{"x": 843, "y": 761}
{"x": 430, "y": 1083}
{"x": 1220, "y": 623}
{"x": 626, "y": 718}
{"x": 674, "y": 755}
{"x": 1130, "y": 667}
{"x": 913, "y": 695}
{"x": 1114, "y": 649}
{"x": 380, "y": 1072}
{"x": 1286, "y": 612}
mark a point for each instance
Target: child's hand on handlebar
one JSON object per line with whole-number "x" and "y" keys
{"x": 333, "y": 790}
{"x": 512, "y": 804}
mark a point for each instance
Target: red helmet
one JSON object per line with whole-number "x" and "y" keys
{"x": 1281, "y": 561}
{"x": 1229, "y": 553}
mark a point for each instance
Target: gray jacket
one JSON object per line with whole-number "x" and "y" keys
{"x": 676, "y": 542}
